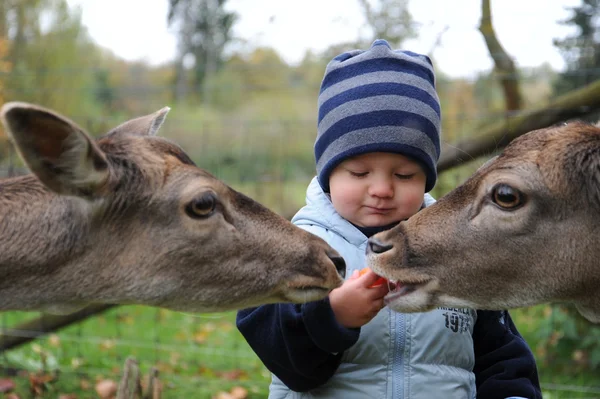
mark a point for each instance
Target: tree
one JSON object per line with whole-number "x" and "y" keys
{"x": 385, "y": 19}
{"x": 503, "y": 63}
{"x": 46, "y": 57}
{"x": 5, "y": 64}
{"x": 52, "y": 57}
{"x": 204, "y": 28}
{"x": 5, "y": 68}
{"x": 581, "y": 51}
{"x": 389, "y": 20}
{"x": 19, "y": 22}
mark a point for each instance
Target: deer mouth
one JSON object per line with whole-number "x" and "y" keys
{"x": 402, "y": 288}
{"x": 308, "y": 293}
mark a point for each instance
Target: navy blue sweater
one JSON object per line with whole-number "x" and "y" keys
{"x": 278, "y": 334}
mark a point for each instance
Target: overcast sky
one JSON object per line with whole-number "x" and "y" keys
{"x": 137, "y": 29}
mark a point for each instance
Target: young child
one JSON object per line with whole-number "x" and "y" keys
{"x": 376, "y": 151}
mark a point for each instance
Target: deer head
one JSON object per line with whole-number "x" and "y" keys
{"x": 129, "y": 219}
{"x": 522, "y": 230}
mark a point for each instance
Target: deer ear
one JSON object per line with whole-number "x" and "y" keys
{"x": 57, "y": 151}
{"x": 144, "y": 125}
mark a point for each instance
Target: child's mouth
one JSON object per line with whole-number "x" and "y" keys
{"x": 379, "y": 210}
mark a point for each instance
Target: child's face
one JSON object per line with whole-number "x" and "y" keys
{"x": 377, "y": 188}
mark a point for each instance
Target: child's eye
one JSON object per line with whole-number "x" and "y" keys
{"x": 405, "y": 176}
{"x": 358, "y": 174}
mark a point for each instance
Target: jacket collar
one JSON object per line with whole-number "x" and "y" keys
{"x": 320, "y": 211}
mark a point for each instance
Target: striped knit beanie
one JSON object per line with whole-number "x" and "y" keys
{"x": 378, "y": 100}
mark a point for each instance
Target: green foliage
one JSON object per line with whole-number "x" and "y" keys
{"x": 204, "y": 29}
{"x": 53, "y": 65}
{"x": 103, "y": 92}
{"x": 565, "y": 347}
{"x": 564, "y": 334}
{"x": 389, "y": 20}
{"x": 226, "y": 89}
{"x": 581, "y": 51}
{"x": 308, "y": 75}
{"x": 266, "y": 142}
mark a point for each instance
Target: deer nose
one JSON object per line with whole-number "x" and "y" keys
{"x": 340, "y": 264}
{"x": 377, "y": 247}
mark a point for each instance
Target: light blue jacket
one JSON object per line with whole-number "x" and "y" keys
{"x": 417, "y": 356}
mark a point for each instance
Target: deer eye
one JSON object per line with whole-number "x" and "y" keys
{"x": 202, "y": 206}
{"x": 507, "y": 197}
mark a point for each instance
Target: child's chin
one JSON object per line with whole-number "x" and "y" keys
{"x": 377, "y": 221}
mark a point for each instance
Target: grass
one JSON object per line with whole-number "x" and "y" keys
{"x": 197, "y": 355}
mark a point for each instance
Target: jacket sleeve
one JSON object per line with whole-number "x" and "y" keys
{"x": 504, "y": 364}
{"x": 301, "y": 344}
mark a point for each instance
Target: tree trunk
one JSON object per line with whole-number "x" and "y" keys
{"x": 180, "y": 88}
{"x": 503, "y": 63}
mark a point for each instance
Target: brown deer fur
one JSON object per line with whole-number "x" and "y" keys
{"x": 129, "y": 219}
{"x": 522, "y": 230}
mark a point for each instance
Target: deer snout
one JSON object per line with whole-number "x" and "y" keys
{"x": 338, "y": 261}
{"x": 377, "y": 247}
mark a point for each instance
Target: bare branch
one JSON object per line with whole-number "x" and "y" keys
{"x": 575, "y": 104}
{"x": 503, "y": 63}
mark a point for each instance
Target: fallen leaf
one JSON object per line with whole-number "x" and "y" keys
{"x": 239, "y": 393}
{"x": 77, "y": 362}
{"x": 206, "y": 372}
{"x": 85, "y": 384}
{"x": 174, "y": 358}
{"x": 67, "y": 396}
{"x": 126, "y": 318}
{"x": 223, "y": 395}
{"x": 54, "y": 340}
{"x": 208, "y": 327}
{"x": 37, "y": 382}
{"x": 226, "y": 326}
{"x": 164, "y": 367}
{"x": 232, "y": 375}
{"x": 106, "y": 389}
{"x": 107, "y": 344}
{"x": 200, "y": 337}
{"x": 6, "y": 385}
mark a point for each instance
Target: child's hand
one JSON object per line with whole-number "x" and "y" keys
{"x": 355, "y": 303}
{"x": 377, "y": 282}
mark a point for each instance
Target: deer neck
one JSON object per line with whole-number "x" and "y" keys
{"x": 37, "y": 227}
{"x": 40, "y": 234}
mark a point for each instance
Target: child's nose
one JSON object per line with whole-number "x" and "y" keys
{"x": 382, "y": 188}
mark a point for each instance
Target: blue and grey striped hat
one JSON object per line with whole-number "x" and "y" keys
{"x": 378, "y": 100}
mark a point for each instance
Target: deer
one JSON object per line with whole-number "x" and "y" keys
{"x": 128, "y": 218}
{"x": 522, "y": 230}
